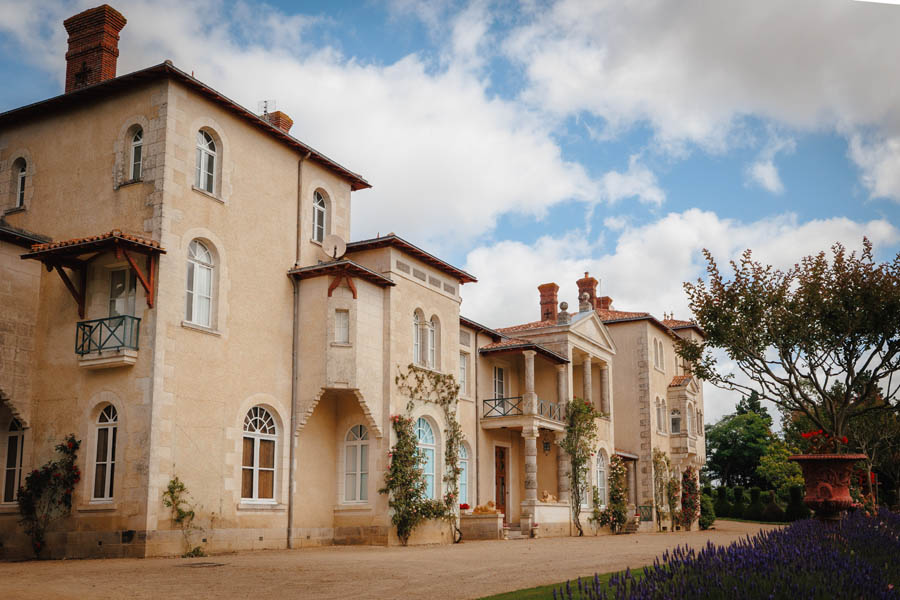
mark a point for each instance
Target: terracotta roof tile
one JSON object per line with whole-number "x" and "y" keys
{"x": 115, "y": 233}
{"x": 526, "y": 326}
{"x": 507, "y": 343}
{"x": 515, "y": 343}
{"x": 620, "y": 315}
{"x": 674, "y": 323}
{"x": 680, "y": 380}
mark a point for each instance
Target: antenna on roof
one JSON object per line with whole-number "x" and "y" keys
{"x": 264, "y": 107}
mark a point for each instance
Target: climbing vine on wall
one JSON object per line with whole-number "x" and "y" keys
{"x": 690, "y": 497}
{"x": 425, "y": 385}
{"x": 661, "y": 467}
{"x": 175, "y": 498}
{"x": 47, "y": 493}
{"x": 580, "y": 444}
{"x": 616, "y": 512}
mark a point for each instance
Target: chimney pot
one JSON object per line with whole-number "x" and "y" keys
{"x": 548, "y": 293}
{"x": 93, "y": 46}
{"x": 588, "y": 285}
{"x": 604, "y": 303}
{"x": 280, "y": 120}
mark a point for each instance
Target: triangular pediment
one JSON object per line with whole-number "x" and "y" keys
{"x": 592, "y": 329}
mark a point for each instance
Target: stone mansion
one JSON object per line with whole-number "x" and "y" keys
{"x": 174, "y": 291}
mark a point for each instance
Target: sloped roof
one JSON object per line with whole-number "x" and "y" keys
{"x": 680, "y": 380}
{"x": 467, "y": 322}
{"x": 398, "y": 242}
{"x": 527, "y": 326}
{"x": 339, "y": 266}
{"x": 74, "y": 247}
{"x": 679, "y": 324}
{"x": 164, "y": 70}
{"x": 20, "y": 237}
{"x": 510, "y": 344}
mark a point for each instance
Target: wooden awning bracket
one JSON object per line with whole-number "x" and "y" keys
{"x": 147, "y": 280}
{"x": 337, "y": 281}
{"x": 79, "y": 295}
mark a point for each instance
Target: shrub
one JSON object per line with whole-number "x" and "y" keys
{"x": 754, "y": 511}
{"x": 690, "y": 498}
{"x": 707, "y": 490}
{"x": 772, "y": 512}
{"x": 707, "y": 512}
{"x": 723, "y": 506}
{"x": 737, "y": 510}
{"x": 796, "y": 509}
{"x": 803, "y": 560}
{"x": 616, "y": 513}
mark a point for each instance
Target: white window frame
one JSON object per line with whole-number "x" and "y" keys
{"x": 417, "y": 339}
{"x": 259, "y": 425}
{"x": 499, "y": 382}
{"x": 206, "y": 162}
{"x": 197, "y": 267}
{"x": 463, "y": 475}
{"x": 14, "y": 431}
{"x": 601, "y": 474}
{"x": 20, "y": 185}
{"x": 137, "y": 155}
{"x": 431, "y": 359}
{"x": 356, "y": 444}
{"x": 107, "y": 420}
{"x": 672, "y": 416}
{"x": 129, "y": 294}
{"x": 464, "y": 373}
{"x": 690, "y": 420}
{"x": 428, "y": 446}
{"x": 320, "y": 217}
{"x": 342, "y": 326}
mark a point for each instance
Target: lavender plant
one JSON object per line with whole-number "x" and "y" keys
{"x": 860, "y": 558}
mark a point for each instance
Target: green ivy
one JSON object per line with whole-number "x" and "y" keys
{"x": 661, "y": 468}
{"x": 579, "y": 444}
{"x": 182, "y": 515}
{"x": 690, "y": 497}
{"x": 47, "y": 493}
{"x": 616, "y": 513}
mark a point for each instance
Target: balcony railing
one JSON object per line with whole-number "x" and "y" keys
{"x": 503, "y": 407}
{"x": 550, "y": 410}
{"x": 646, "y": 512}
{"x": 112, "y": 333}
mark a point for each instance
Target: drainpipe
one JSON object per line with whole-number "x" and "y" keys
{"x": 477, "y": 426}
{"x": 295, "y": 359}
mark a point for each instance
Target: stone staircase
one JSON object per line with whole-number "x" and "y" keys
{"x": 515, "y": 533}
{"x": 631, "y": 526}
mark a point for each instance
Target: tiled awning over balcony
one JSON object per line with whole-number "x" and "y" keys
{"x": 76, "y": 254}
{"x": 515, "y": 345}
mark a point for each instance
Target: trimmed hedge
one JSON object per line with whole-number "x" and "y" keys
{"x": 796, "y": 509}
{"x": 737, "y": 510}
{"x": 723, "y": 506}
{"x": 707, "y": 512}
{"x": 754, "y": 512}
{"x": 772, "y": 512}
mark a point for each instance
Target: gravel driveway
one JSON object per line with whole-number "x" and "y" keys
{"x": 467, "y": 570}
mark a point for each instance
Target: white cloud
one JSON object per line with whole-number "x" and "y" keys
{"x": 637, "y": 182}
{"x": 763, "y": 172}
{"x": 695, "y": 70}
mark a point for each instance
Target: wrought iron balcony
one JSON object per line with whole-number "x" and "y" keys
{"x": 117, "y": 335}
{"x": 550, "y": 410}
{"x": 503, "y": 407}
{"x": 646, "y": 512}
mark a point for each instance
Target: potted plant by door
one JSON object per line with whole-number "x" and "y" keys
{"x": 826, "y": 472}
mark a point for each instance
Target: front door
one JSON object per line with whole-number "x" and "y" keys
{"x": 500, "y": 481}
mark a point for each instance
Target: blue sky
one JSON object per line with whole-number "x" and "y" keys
{"x": 532, "y": 141}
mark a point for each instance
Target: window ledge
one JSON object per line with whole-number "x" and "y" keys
{"x": 96, "y": 507}
{"x": 662, "y": 433}
{"x": 130, "y": 182}
{"x": 341, "y": 345}
{"x": 425, "y": 368}
{"x": 10, "y": 508}
{"x": 201, "y": 328}
{"x": 663, "y": 371}
{"x": 14, "y": 210}
{"x": 261, "y": 506}
{"x": 353, "y": 508}
{"x": 207, "y": 194}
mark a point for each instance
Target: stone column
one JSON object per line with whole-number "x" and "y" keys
{"x": 563, "y": 467}
{"x": 605, "y": 388}
{"x": 588, "y": 384}
{"x": 561, "y": 387}
{"x": 529, "y": 398}
{"x": 530, "y": 434}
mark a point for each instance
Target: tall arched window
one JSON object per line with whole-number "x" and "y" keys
{"x": 198, "y": 306}
{"x": 417, "y": 338}
{"x": 258, "y": 462}
{"x": 105, "y": 458}
{"x": 12, "y": 463}
{"x": 660, "y": 416}
{"x": 432, "y": 357}
{"x": 206, "y": 162}
{"x": 356, "y": 464}
{"x": 463, "y": 474}
{"x": 676, "y": 421}
{"x": 137, "y": 144}
{"x": 601, "y": 478}
{"x": 690, "y": 420}
{"x": 320, "y": 216}
{"x": 425, "y": 437}
{"x": 20, "y": 168}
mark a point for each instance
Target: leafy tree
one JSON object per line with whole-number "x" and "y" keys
{"x": 818, "y": 338}
{"x": 780, "y": 473}
{"x": 751, "y": 403}
{"x": 734, "y": 447}
{"x": 580, "y": 443}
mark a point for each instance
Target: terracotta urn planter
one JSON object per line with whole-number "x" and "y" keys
{"x": 827, "y": 478}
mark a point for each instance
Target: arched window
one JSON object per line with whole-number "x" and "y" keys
{"x": 137, "y": 144}
{"x": 425, "y": 437}
{"x": 433, "y": 330}
{"x": 12, "y": 463}
{"x": 320, "y": 217}
{"x": 206, "y": 162}
{"x": 601, "y": 478}
{"x": 258, "y": 463}
{"x": 105, "y": 458}
{"x": 417, "y": 338}
{"x": 20, "y": 167}
{"x": 356, "y": 464}
{"x": 676, "y": 421}
{"x": 700, "y": 428}
{"x": 690, "y": 420}
{"x": 463, "y": 474}
{"x": 198, "y": 306}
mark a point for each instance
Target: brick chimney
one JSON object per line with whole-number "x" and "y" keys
{"x": 548, "y": 301}
{"x": 93, "y": 46}
{"x": 604, "y": 303}
{"x": 588, "y": 284}
{"x": 280, "y": 120}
